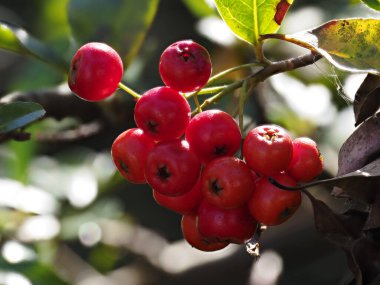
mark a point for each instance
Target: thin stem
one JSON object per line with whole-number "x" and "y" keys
{"x": 222, "y": 93}
{"x": 134, "y": 94}
{"x": 230, "y": 70}
{"x": 199, "y": 109}
{"x": 260, "y": 53}
{"x": 243, "y": 95}
{"x": 205, "y": 91}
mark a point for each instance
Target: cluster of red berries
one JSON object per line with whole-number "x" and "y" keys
{"x": 190, "y": 163}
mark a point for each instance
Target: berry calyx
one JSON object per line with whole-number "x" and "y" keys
{"x": 185, "y": 66}
{"x": 268, "y": 149}
{"x": 95, "y": 71}
{"x": 129, "y": 152}
{"x": 162, "y": 113}
{"x": 227, "y": 182}
{"x": 172, "y": 169}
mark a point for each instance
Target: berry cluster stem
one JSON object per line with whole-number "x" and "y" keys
{"x": 133, "y": 93}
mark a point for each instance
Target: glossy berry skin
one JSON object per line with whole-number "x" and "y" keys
{"x": 172, "y": 169}
{"x": 162, "y": 113}
{"x": 234, "y": 225}
{"x": 129, "y": 152}
{"x": 183, "y": 204}
{"x": 212, "y": 134}
{"x": 227, "y": 182}
{"x": 185, "y": 66}
{"x": 95, "y": 71}
{"x": 271, "y": 205}
{"x": 194, "y": 238}
{"x": 267, "y": 149}
{"x": 307, "y": 162}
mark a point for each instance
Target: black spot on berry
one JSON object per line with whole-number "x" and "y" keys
{"x": 163, "y": 173}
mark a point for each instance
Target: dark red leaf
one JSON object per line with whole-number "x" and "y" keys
{"x": 281, "y": 10}
{"x": 367, "y": 98}
{"x": 361, "y": 147}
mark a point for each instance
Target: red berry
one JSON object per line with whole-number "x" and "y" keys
{"x": 162, "y": 113}
{"x": 271, "y": 205}
{"x": 95, "y": 71}
{"x": 267, "y": 149}
{"x": 185, "y": 66}
{"x": 307, "y": 162}
{"x": 129, "y": 152}
{"x": 184, "y": 204}
{"x": 227, "y": 182}
{"x": 172, "y": 169}
{"x": 194, "y": 238}
{"x": 212, "y": 134}
{"x": 234, "y": 225}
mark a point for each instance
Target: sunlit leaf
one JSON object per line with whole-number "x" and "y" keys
{"x": 349, "y": 44}
{"x": 249, "y": 19}
{"x": 16, "y": 39}
{"x": 199, "y": 7}
{"x": 374, "y": 4}
{"x": 367, "y": 98}
{"x": 19, "y": 114}
{"x": 122, "y": 24}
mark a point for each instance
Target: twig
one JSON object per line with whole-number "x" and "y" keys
{"x": 266, "y": 72}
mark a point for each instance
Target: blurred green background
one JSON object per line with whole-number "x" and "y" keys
{"x": 67, "y": 217}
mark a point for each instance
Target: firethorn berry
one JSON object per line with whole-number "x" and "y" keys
{"x": 172, "y": 169}
{"x": 212, "y": 134}
{"x": 267, "y": 149}
{"x": 162, "y": 113}
{"x": 217, "y": 224}
{"x": 271, "y": 205}
{"x": 95, "y": 71}
{"x": 194, "y": 238}
{"x": 183, "y": 204}
{"x": 185, "y": 66}
{"x": 227, "y": 182}
{"x": 129, "y": 152}
{"x": 307, "y": 162}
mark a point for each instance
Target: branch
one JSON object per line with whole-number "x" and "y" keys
{"x": 261, "y": 75}
{"x": 286, "y": 65}
{"x": 58, "y": 102}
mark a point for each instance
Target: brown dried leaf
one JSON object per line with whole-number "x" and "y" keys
{"x": 340, "y": 229}
{"x": 367, "y": 98}
{"x": 361, "y": 147}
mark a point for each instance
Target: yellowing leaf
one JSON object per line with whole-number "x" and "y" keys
{"x": 349, "y": 44}
{"x": 249, "y": 19}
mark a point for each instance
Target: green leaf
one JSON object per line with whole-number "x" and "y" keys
{"x": 199, "y": 8}
{"x": 349, "y": 44}
{"x": 39, "y": 273}
{"x": 374, "y": 4}
{"x": 19, "y": 114}
{"x": 249, "y": 19}
{"x": 122, "y": 24}
{"x": 16, "y": 39}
